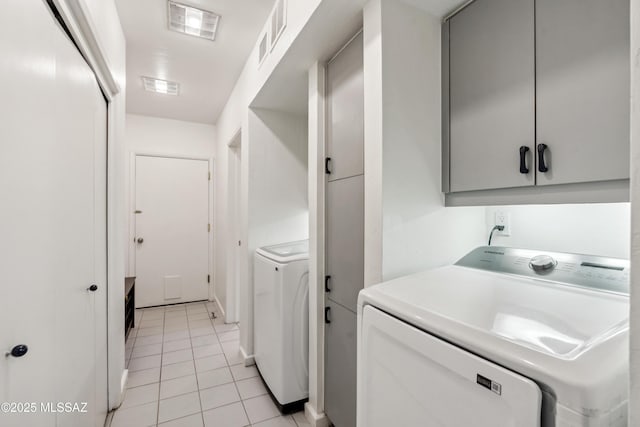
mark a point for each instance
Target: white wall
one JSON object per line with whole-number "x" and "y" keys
{"x": 277, "y": 198}
{"x": 634, "y": 398}
{"x": 171, "y": 137}
{"x": 107, "y": 29}
{"x": 158, "y": 136}
{"x": 234, "y": 119}
{"x": 593, "y": 229}
{"x": 278, "y": 205}
{"x": 403, "y": 120}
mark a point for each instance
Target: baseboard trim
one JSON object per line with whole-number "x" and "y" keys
{"x": 249, "y": 360}
{"x": 123, "y": 387}
{"x": 224, "y": 314}
{"x": 315, "y": 419}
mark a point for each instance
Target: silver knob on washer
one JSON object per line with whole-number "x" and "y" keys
{"x": 542, "y": 263}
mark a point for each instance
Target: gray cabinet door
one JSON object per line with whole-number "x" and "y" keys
{"x": 492, "y": 91}
{"x": 345, "y": 112}
{"x": 582, "y": 92}
{"x": 340, "y": 368}
{"x": 345, "y": 240}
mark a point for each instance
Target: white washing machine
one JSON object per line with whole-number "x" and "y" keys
{"x": 281, "y": 321}
{"x": 505, "y": 337}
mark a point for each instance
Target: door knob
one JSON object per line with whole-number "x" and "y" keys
{"x": 140, "y": 240}
{"x": 93, "y": 288}
{"x": 17, "y": 351}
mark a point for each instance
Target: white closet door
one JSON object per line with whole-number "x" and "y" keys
{"x": 52, "y": 222}
{"x": 409, "y": 378}
{"x": 172, "y": 249}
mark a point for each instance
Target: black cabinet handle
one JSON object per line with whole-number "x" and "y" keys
{"x": 542, "y": 167}
{"x": 18, "y": 351}
{"x": 523, "y": 159}
{"x": 326, "y": 283}
{"x": 326, "y": 315}
{"x": 93, "y": 288}
{"x": 327, "y": 160}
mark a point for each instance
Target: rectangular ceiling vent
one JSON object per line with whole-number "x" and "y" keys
{"x": 160, "y": 86}
{"x": 193, "y": 21}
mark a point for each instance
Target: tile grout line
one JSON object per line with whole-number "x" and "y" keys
{"x": 235, "y": 382}
{"x": 195, "y": 371}
{"x": 164, "y": 321}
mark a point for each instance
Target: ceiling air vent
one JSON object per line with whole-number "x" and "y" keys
{"x": 193, "y": 21}
{"x": 160, "y": 86}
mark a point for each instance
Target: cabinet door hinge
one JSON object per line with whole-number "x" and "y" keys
{"x": 209, "y": 177}
{"x": 208, "y": 227}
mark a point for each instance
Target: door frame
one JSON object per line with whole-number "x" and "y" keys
{"x": 83, "y": 32}
{"x": 131, "y": 216}
{"x": 234, "y": 181}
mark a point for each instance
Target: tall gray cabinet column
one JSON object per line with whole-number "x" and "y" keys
{"x": 344, "y": 228}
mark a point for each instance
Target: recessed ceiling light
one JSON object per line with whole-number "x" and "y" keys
{"x": 160, "y": 86}
{"x": 193, "y": 21}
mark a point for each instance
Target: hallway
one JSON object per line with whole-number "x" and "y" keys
{"x": 185, "y": 369}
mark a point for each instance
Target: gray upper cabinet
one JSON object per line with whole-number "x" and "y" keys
{"x": 492, "y": 94}
{"x": 535, "y": 93}
{"x": 345, "y": 112}
{"x": 582, "y": 94}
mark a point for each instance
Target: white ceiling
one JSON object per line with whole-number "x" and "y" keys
{"x": 205, "y": 70}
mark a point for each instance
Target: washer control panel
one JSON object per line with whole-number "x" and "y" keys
{"x": 609, "y": 274}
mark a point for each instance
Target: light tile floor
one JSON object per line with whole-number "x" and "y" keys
{"x": 186, "y": 370}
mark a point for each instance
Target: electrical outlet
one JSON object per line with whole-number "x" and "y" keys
{"x": 503, "y": 218}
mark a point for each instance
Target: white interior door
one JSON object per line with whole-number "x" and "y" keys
{"x": 52, "y": 223}
{"x": 172, "y": 230}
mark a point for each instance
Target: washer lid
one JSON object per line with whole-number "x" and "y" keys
{"x": 572, "y": 339}
{"x": 286, "y": 252}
